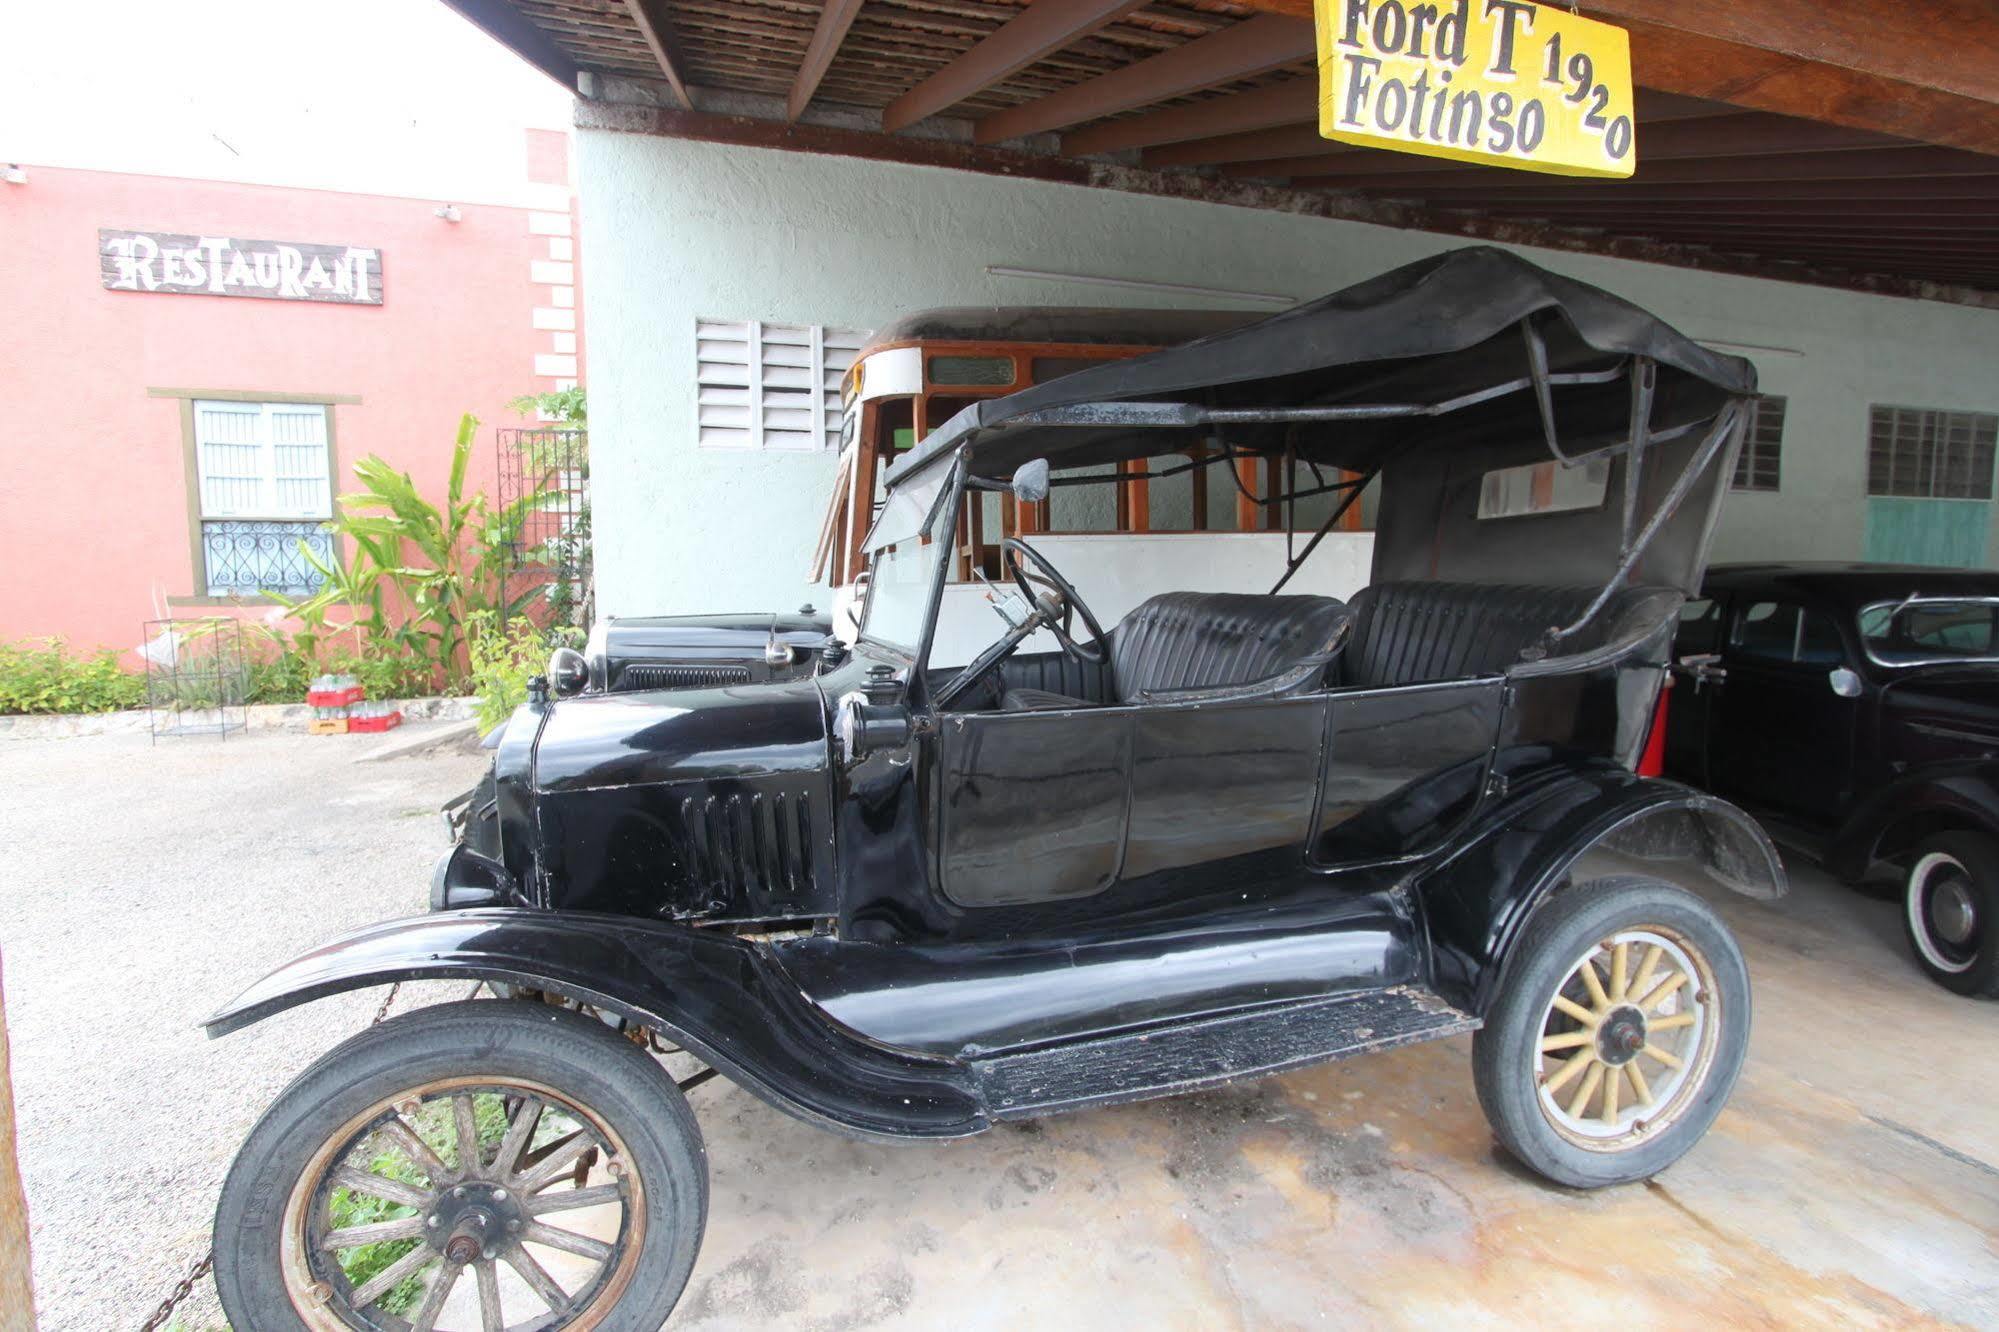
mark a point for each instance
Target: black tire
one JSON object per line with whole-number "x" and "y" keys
{"x": 589, "y": 1064}
{"x": 1964, "y": 865}
{"x": 1507, "y": 1051}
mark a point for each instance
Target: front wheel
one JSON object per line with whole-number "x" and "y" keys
{"x": 1950, "y": 911}
{"x": 476, "y": 1166}
{"x": 1617, "y": 1034}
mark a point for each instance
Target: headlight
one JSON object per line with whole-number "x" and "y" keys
{"x": 567, "y": 672}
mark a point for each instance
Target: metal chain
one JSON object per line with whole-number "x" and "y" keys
{"x": 182, "y": 1289}
{"x": 185, "y": 1286}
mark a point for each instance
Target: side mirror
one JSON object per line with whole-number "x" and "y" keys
{"x": 1844, "y": 682}
{"x": 1030, "y": 481}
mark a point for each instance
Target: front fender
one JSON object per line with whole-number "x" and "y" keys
{"x": 1579, "y": 825}
{"x": 714, "y": 995}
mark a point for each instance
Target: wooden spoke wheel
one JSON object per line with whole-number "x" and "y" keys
{"x": 1617, "y": 1032}
{"x": 488, "y": 1166}
{"x": 1627, "y": 1038}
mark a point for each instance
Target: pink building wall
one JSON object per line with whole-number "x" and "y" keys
{"x": 94, "y": 528}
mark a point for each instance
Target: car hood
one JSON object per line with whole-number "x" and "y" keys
{"x": 680, "y": 735}
{"x": 1942, "y": 712}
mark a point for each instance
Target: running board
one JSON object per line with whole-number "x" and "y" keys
{"x": 1210, "y": 1051}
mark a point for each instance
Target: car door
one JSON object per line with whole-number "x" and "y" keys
{"x": 1779, "y": 737}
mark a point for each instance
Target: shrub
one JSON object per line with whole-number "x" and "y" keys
{"x": 505, "y": 659}
{"x": 46, "y": 678}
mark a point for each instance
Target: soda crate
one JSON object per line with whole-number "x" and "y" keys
{"x": 327, "y": 726}
{"x": 386, "y": 721}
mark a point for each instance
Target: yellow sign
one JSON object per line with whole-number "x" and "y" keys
{"x": 1503, "y": 82}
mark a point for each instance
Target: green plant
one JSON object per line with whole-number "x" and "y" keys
{"x": 505, "y": 658}
{"x": 47, "y": 679}
{"x": 419, "y": 570}
{"x": 570, "y": 406}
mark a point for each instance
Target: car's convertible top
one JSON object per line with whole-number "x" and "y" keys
{"x": 1461, "y": 332}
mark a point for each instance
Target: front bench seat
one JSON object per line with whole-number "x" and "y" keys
{"x": 1201, "y": 644}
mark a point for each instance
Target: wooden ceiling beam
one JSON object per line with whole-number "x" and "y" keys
{"x": 1293, "y": 102}
{"x": 1243, "y": 50}
{"x": 657, "y": 29}
{"x": 1035, "y": 33}
{"x": 1920, "y": 69}
{"x": 521, "y": 35}
{"x": 827, "y": 34}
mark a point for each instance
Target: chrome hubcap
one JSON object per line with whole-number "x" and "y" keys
{"x": 1951, "y": 911}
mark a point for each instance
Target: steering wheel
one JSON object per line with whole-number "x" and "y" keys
{"x": 1058, "y": 618}
{"x": 1054, "y": 609}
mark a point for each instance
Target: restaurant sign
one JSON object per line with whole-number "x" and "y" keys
{"x": 221, "y": 266}
{"x": 1502, "y": 82}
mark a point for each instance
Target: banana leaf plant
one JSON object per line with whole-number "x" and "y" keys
{"x": 418, "y": 571}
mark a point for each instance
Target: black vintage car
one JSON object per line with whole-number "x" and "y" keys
{"x": 1229, "y": 836}
{"x": 1856, "y": 707}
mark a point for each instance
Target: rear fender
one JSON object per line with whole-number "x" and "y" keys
{"x": 714, "y": 995}
{"x": 1575, "y": 828}
{"x": 1945, "y": 798}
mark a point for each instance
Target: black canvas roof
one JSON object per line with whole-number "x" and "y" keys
{"x": 1423, "y": 334}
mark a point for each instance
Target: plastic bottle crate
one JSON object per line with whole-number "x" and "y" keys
{"x": 335, "y": 691}
{"x": 375, "y": 721}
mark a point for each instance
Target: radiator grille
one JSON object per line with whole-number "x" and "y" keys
{"x": 750, "y": 846}
{"x": 675, "y": 675}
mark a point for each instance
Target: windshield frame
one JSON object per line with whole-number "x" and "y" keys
{"x": 1899, "y": 604}
{"x": 945, "y": 508}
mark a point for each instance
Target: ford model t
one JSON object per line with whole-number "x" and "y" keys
{"x": 1227, "y": 836}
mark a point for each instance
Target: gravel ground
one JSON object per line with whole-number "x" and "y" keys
{"x": 144, "y": 887}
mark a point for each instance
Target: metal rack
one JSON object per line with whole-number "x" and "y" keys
{"x": 197, "y": 677}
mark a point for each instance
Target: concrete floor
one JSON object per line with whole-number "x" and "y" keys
{"x": 1850, "y": 1183}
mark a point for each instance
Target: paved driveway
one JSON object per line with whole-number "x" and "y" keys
{"x": 1851, "y": 1183}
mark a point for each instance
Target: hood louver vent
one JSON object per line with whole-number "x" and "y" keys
{"x": 749, "y": 846}
{"x": 658, "y": 675}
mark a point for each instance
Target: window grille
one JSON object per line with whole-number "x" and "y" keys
{"x": 1930, "y": 454}
{"x": 265, "y": 485}
{"x": 1758, "y": 466}
{"x": 771, "y": 386}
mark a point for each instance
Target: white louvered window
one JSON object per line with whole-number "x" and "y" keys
{"x": 264, "y": 476}
{"x": 771, "y": 386}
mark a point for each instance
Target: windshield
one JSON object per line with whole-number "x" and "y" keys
{"x": 1909, "y": 633}
{"x": 909, "y": 543}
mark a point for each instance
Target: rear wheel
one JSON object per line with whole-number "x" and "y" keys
{"x": 1617, "y": 1034}
{"x": 1950, "y": 911}
{"x": 480, "y": 1166}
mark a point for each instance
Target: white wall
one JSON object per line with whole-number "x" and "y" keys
{"x": 678, "y": 230}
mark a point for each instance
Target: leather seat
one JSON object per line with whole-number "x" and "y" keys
{"x": 1417, "y": 633}
{"x": 1185, "y": 643}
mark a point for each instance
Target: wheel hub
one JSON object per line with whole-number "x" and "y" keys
{"x": 1621, "y": 1036}
{"x": 1952, "y": 914}
{"x": 472, "y": 1220}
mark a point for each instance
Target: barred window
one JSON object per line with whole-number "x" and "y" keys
{"x": 771, "y": 386}
{"x": 1757, "y": 467}
{"x": 265, "y": 484}
{"x": 1930, "y": 454}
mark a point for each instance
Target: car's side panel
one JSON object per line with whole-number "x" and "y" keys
{"x": 1214, "y": 783}
{"x": 714, "y": 995}
{"x": 1403, "y": 767}
{"x": 1032, "y": 804}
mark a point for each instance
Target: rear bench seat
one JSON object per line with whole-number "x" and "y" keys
{"x": 1415, "y": 633}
